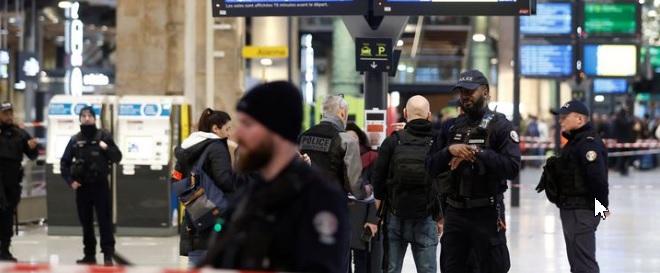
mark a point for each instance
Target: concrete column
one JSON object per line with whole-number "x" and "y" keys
{"x": 270, "y": 31}
{"x": 345, "y": 79}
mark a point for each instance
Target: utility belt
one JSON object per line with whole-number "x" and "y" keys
{"x": 470, "y": 203}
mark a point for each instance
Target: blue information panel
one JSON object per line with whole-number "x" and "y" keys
{"x": 610, "y": 86}
{"x": 453, "y": 7}
{"x": 546, "y": 61}
{"x": 610, "y": 60}
{"x": 550, "y": 19}
{"x": 222, "y": 8}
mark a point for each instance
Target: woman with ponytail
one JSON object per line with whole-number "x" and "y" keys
{"x": 212, "y": 135}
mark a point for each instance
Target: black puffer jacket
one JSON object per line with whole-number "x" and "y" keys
{"x": 218, "y": 166}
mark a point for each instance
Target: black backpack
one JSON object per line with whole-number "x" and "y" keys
{"x": 411, "y": 190}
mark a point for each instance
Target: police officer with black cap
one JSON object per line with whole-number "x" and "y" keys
{"x": 85, "y": 166}
{"x": 294, "y": 218}
{"x": 576, "y": 181}
{"x": 14, "y": 143}
{"x": 473, "y": 157}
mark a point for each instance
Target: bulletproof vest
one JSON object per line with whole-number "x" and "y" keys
{"x": 89, "y": 162}
{"x": 408, "y": 184}
{"x": 469, "y": 179}
{"x": 323, "y": 145}
{"x": 11, "y": 144}
{"x": 571, "y": 184}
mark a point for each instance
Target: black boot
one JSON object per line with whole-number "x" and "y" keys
{"x": 107, "y": 260}
{"x": 91, "y": 260}
{"x": 6, "y": 256}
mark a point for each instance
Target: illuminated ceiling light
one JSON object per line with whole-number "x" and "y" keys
{"x": 395, "y": 99}
{"x": 399, "y": 43}
{"x": 410, "y": 69}
{"x": 266, "y": 62}
{"x": 599, "y": 98}
{"x": 479, "y": 38}
{"x": 402, "y": 67}
{"x": 64, "y": 4}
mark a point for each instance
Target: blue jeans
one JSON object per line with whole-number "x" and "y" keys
{"x": 421, "y": 234}
{"x": 195, "y": 257}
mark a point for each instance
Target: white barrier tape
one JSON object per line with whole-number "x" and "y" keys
{"x": 646, "y": 145}
{"x": 46, "y": 268}
{"x": 610, "y": 154}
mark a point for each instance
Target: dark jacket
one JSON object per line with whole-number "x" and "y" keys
{"x": 381, "y": 174}
{"x": 14, "y": 144}
{"x": 218, "y": 167}
{"x": 298, "y": 222}
{"x": 106, "y": 159}
{"x": 590, "y": 154}
{"x": 623, "y": 127}
{"x": 362, "y": 212}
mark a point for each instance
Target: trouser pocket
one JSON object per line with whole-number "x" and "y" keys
{"x": 499, "y": 254}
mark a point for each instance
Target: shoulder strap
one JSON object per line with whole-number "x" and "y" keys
{"x": 202, "y": 158}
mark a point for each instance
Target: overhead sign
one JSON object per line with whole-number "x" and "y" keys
{"x": 374, "y": 55}
{"x": 453, "y": 7}
{"x": 376, "y": 124}
{"x": 610, "y": 86}
{"x": 555, "y": 18}
{"x": 263, "y": 52}
{"x": 610, "y": 60}
{"x": 611, "y": 18}
{"x": 546, "y": 61}
{"x": 222, "y": 8}
{"x": 28, "y": 67}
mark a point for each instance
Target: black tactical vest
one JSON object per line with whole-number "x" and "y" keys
{"x": 323, "y": 145}
{"x": 12, "y": 143}
{"x": 469, "y": 180}
{"x": 90, "y": 162}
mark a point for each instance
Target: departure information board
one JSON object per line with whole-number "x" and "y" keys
{"x": 453, "y": 7}
{"x": 610, "y": 86}
{"x": 550, "y": 19}
{"x": 609, "y": 19}
{"x": 222, "y": 8}
{"x": 545, "y": 61}
{"x": 610, "y": 60}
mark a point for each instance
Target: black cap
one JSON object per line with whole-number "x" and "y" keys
{"x": 89, "y": 109}
{"x": 573, "y": 106}
{"x": 471, "y": 80}
{"x": 276, "y": 105}
{"x": 5, "y": 106}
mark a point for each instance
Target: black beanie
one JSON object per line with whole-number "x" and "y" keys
{"x": 276, "y": 105}
{"x": 87, "y": 108}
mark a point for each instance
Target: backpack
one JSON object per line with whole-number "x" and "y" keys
{"x": 203, "y": 200}
{"x": 411, "y": 191}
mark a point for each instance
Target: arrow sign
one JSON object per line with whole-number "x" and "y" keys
{"x": 599, "y": 209}
{"x": 374, "y": 65}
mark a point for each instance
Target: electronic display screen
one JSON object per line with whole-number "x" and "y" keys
{"x": 654, "y": 58}
{"x": 610, "y": 60}
{"x": 607, "y": 19}
{"x": 550, "y": 19}
{"x": 453, "y": 7}
{"x": 610, "y": 86}
{"x": 222, "y": 8}
{"x": 546, "y": 60}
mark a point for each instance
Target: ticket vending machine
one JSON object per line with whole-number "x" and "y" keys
{"x": 63, "y": 123}
{"x": 148, "y": 128}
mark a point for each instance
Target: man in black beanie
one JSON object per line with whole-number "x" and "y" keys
{"x": 292, "y": 219}
{"x": 85, "y": 166}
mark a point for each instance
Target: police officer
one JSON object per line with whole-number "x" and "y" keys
{"x": 573, "y": 180}
{"x": 14, "y": 142}
{"x": 293, "y": 219}
{"x": 333, "y": 150}
{"x": 85, "y": 166}
{"x": 473, "y": 157}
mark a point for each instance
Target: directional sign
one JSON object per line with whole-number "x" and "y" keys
{"x": 374, "y": 55}
{"x": 270, "y": 52}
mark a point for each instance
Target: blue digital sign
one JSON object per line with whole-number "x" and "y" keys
{"x": 546, "y": 60}
{"x": 550, "y": 19}
{"x": 222, "y": 8}
{"x": 610, "y": 60}
{"x": 610, "y": 86}
{"x": 452, "y": 7}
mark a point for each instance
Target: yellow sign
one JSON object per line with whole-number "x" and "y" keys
{"x": 271, "y": 52}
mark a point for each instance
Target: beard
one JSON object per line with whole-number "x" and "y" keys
{"x": 250, "y": 161}
{"x": 474, "y": 109}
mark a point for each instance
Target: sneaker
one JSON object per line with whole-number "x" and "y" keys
{"x": 87, "y": 260}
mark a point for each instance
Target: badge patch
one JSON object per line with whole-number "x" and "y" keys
{"x": 591, "y": 156}
{"x": 514, "y": 136}
{"x": 326, "y": 224}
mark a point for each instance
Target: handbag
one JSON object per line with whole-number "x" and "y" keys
{"x": 204, "y": 202}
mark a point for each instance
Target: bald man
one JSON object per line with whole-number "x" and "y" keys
{"x": 411, "y": 207}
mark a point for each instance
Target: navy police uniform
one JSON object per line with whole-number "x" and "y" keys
{"x": 472, "y": 194}
{"x": 13, "y": 145}
{"x": 572, "y": 181}
{"x": 85, "y": 162}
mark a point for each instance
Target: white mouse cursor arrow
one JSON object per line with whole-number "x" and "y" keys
{"x": 599, "y": 209}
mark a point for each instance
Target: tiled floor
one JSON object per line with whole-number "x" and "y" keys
{"x": 627, "y": 242}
